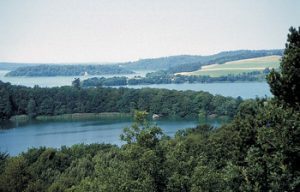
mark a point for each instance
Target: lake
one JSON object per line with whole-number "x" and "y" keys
{"x": 244, "y": 89}
{"x": 56, "y": 81}
{"x": 17, "y": 137}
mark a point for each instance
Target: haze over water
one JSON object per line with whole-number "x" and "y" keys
{"x": 109, "y": 31}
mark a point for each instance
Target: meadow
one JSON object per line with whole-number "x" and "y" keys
{"x": 237, "y": 67}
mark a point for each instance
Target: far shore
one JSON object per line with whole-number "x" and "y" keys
{"x": 74, "y": 116}
{"x": 95, "y": 116}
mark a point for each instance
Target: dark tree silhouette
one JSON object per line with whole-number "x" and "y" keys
{"x": 76, "y": 83}
{"x": 285, "y": 84}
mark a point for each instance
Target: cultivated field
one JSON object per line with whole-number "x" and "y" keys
{"x": 237, "y": 67}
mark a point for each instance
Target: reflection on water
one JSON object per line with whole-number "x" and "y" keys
{"x": 18, "y": 137}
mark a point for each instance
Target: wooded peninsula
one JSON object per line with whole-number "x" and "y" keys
{"x": 257, "y": 151}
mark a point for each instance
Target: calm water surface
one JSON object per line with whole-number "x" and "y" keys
{"x": 243, "y": 89}
{"x": 16, "y": 138}
{"x": 55, "y": 81}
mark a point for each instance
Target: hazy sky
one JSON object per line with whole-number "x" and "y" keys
{"x": 122, "y": 30}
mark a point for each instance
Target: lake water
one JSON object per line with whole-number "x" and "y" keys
{"x": 16, "y": 138}
{"x": 244, "y": 89}
{"x": 55, "y": 81}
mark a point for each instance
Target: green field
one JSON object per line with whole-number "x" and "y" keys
{"x": 237, "y": 67}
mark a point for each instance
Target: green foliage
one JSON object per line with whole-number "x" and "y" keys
{"x": 18, "y": 100}
{"x": 102, "y": 81}
{"x": 259, "y": 64}
{"x": 67, "y": 70}
{"x": 164, "y": 77}
{"x": 31, "y": 108}
{"x": 5, "y": 102}
{"x": 76, "y": 83}
{"x": 257, "y": 151}
{"x": 285, "y": 85}
{"x": 141, "y": 132}
{"x": 184, "y": 63}
{"x": 3, "y": 158}
{"x": 206, "y": 178}
{"x": 272, "y": 158}
{"x": 15, "y": 176}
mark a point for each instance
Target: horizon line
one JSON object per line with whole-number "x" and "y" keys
{"x": 134, "y": 60}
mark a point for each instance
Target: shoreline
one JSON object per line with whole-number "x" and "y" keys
{"x": 95, "y": 116}
{"x": 73, "y": 116}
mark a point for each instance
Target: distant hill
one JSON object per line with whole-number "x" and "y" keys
{"x": 187, "y": 63}
{"x": 12, "y": 66}
{"x": 68, "y": 70}
{"x": 161, "y": 63}
{"x": 173, "y": 64}
{"x": 237, "y": 67}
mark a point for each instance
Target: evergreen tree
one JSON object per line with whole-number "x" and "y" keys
{"x": 285, "y": 85}
{"x": 76, "y": 83}
{"x": 5, "y": 104}
{"x": 31, "y": 108}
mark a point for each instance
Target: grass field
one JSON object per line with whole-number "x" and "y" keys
{"x": 237, "y": 67}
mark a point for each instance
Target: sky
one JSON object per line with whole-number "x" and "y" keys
{"x": 60, "y": 31}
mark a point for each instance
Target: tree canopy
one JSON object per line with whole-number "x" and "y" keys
{"x": 257, "y": 151}
{"x": 285, "y": 84}
{"x": 37, "y": 101}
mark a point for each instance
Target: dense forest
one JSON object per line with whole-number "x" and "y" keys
{"x": 68, "y": 70}
{"x": 187, "y": 63}
{"x": 164, "y": 77}
{"x": 18, "y": 100}
{"x": 257, "y": 151}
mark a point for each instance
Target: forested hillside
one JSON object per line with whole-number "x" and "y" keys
{"x": 172, "y": 64}
{"x": 68, "y": 70}
{"x": 186, "y": 63}
{"x": 257, "y": 151}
